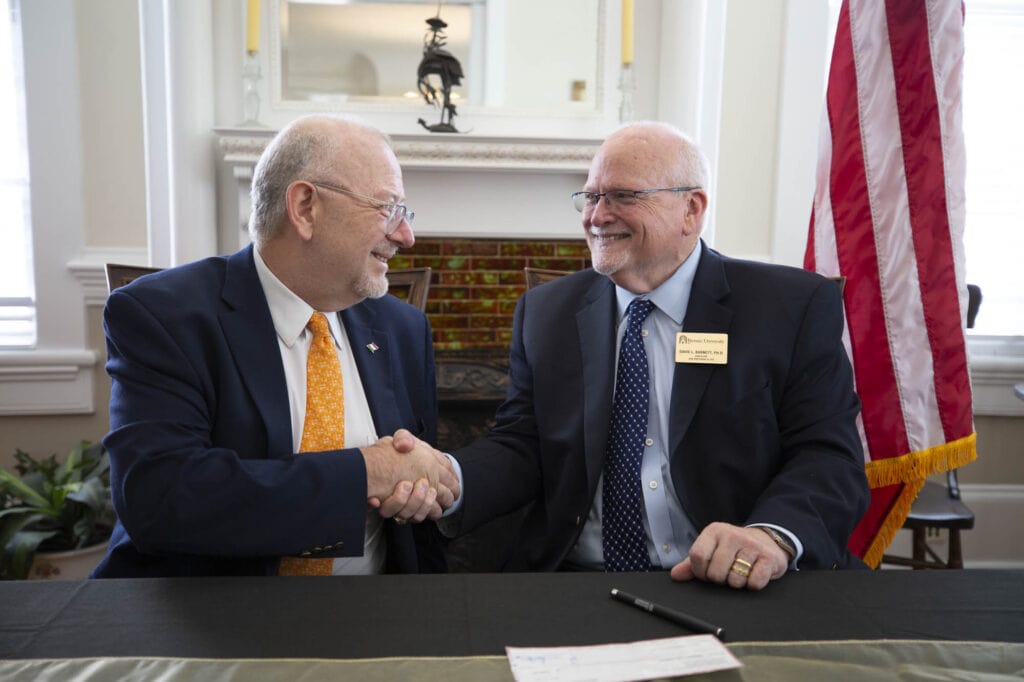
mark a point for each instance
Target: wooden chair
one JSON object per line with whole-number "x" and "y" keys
{"x": 537, "y": 276}
{"x": 414, "y": 283}
{"x": 119, "y": 275}
{"x": 939, "y": 506}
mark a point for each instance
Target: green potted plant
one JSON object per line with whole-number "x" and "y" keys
{"x": 51, "y": 506}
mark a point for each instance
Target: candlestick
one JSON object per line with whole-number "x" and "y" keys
{"x": 627, "y": 86}
{"x": 252, "y": 27}
{"x": 627, "y": 31}
{"x": 251, "y": 89}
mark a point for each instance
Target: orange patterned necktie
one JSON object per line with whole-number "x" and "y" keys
{"x": 324, "y": 425}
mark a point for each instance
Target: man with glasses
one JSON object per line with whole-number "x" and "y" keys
{"x": 267, "y": 407}
{"x": 671, "y": 408}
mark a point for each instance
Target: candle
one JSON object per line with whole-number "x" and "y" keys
{"x": 252, "y": 27}
{"x": 627, "y": 31}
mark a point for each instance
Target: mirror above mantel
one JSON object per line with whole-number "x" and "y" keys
{"x": 532, "y": 68}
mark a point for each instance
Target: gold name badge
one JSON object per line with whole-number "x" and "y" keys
{"x": 702, "y": 348}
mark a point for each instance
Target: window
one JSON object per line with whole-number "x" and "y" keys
{"x": 45, "y": 364}
{"x": 993, "y": 100}
{"x": 17, "y": 306}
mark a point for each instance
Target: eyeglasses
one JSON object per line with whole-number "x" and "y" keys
{"x": 587, "y": 201}
{"x": 397, "y": 212}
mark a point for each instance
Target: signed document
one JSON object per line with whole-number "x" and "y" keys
{"x": 641, "y": 660}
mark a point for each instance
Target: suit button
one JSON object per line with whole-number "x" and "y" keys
{"x": 306, "y": 553}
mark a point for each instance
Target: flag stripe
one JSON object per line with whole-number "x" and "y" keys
{"x": 922, "y": 141}
{"x": 888, "y": 215}
{"x": 857, "y": 255}
{"x": 900, "y": 284}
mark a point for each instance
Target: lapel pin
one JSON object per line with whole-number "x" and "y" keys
{"x": 372, "y": 347}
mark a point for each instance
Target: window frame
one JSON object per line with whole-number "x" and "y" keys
{"x": 56, "y": 376}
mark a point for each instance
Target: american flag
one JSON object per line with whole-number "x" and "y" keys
{"x": 888, "y": 217}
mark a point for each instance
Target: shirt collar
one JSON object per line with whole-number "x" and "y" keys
{"x": 289, "y": 312}
{"x": 672, "y": 296}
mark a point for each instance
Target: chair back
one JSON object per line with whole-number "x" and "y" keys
{"x": 537, "y": 276}
{"x": 119, "y": 275}
{"x": 415, "y": 282}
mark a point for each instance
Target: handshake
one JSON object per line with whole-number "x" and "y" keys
{"x": 407, "y": 479}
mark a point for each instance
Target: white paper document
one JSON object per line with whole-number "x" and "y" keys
{"x": 643, "y": 660}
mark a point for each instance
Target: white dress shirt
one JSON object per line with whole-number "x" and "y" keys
{"x": 290, "y": 315}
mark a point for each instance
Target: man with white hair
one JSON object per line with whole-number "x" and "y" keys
{"x": 266, "y": 406}
{"x": 671, "y": 408}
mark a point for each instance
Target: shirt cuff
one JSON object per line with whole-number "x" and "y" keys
{"x": 789, "y": 536}
{"x": 451, "y": 519}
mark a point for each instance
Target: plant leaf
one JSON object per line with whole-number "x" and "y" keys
{"x": 93, "y": 494}
{"x": 18, "y": 553}
{"x": 11, "y": 511}
{"x": 16, "y": 487}
{"x": 72, "y": 470}
{"x": 13, "y": 524}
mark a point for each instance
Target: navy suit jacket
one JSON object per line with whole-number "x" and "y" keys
{"x": 203, "y": 476}
{"x": 769, "y": 437}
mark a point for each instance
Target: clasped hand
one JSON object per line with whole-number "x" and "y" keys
{"x": 407, "y": 479}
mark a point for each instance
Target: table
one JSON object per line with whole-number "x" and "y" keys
{"x": 467, "y": 615}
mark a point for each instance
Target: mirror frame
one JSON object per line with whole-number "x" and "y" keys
{"x": 399, "y": 118}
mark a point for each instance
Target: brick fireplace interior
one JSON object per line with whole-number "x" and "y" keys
{"x": 475, "y": 284}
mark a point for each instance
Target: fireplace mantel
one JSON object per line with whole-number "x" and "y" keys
{"x": 240, "y": 148}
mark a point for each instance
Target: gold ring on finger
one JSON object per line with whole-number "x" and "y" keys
{"x": 740, "y": 569}
{"x": 399, "y": 520}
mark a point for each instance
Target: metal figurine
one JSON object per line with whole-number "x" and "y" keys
{"x": 441, "y": 63}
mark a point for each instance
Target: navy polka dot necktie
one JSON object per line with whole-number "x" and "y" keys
{"x": 622, "y": 530}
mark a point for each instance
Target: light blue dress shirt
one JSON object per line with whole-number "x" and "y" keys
{"x": 669, "y": 530}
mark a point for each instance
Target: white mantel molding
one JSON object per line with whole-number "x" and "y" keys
{"x": 243, "y": 146}
{"x": 240, "y": 148}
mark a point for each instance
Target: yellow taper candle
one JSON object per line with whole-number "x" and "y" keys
{"x": 627, "y": 31}
{"x": 252, "y": 27}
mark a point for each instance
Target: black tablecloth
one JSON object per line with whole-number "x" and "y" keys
{"x": 466, "y": 614}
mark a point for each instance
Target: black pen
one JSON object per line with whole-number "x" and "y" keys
{"x": 695, "y": 624}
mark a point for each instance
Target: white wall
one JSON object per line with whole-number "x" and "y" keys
{"x": 114, "y": 191}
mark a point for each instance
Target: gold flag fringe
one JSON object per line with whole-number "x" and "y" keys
{"x": 911, "y": 469}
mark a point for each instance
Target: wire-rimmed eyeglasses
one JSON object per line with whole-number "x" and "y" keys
{"x": 587, "y": 201}
{"x": 398, "y": 212}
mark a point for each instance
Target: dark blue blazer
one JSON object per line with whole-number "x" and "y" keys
{"x": 769, "y": 437}
{"x": 203, "y": 476}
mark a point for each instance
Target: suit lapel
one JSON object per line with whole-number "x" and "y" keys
{"x": 250, "y": 334}
{"x": 372, "y": 349}
{"x": 595, "y": 324}
{"x": 704, "y": 313}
